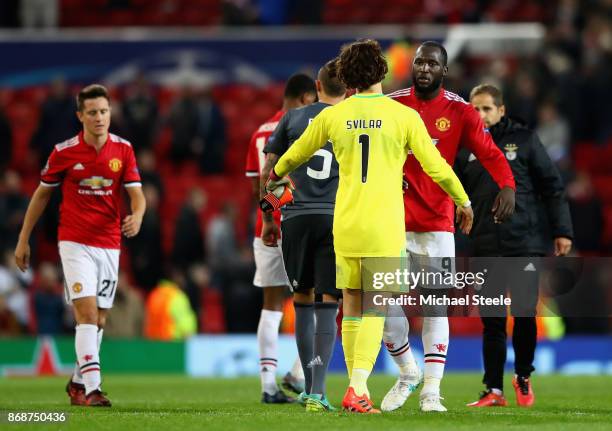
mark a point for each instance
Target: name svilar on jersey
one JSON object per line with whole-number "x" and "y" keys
{"x": 363, "y": 124}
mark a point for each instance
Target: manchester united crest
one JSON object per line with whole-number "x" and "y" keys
{"x": 114, "y": 165}
{"x": 77, "y": 287}
{"x": 443, "y": 124}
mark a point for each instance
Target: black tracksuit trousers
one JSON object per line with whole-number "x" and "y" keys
{"x": 522, "y": 284}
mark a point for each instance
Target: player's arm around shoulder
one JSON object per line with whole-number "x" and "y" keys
{"x": 314, "y": 137}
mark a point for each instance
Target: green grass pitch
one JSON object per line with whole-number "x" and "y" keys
{"x": 180, "y": 403}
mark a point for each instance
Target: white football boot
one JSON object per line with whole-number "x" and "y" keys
{"x": 431, "y": 403}
{"x": 401, "y": 390}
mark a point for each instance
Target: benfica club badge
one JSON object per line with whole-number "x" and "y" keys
{"x": 510, "y": 151}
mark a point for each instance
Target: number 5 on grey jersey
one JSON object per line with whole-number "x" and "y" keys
{"x": 316, "y": 181}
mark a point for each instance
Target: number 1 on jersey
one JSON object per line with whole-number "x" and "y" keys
{"x": 364, "y": 140}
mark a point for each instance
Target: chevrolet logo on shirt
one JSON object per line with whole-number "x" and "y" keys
{"x": 96, "y": 183}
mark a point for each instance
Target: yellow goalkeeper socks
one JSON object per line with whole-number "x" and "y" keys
{"x": 368, "y": 341}
{"x": 367, "y": 347}
{"x": 350, "y": 329}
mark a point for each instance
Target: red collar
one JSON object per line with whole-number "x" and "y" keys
{"x": 82, "y": 141}
{"x": 427, "y": 102}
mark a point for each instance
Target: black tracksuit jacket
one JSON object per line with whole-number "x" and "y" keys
{"x": 541, "y": 208}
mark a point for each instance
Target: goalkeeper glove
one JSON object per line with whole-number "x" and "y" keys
{"x": 274, "y": 181}
{"x": 280, "y": 193}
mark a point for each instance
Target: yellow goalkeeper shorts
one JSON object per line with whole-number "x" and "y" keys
{"x": 348, "y": 272}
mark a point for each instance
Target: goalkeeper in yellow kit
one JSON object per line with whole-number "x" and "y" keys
{"x": 371, "y": 137}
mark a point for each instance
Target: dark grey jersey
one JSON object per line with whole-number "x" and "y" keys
{"x": 316, "y": 181}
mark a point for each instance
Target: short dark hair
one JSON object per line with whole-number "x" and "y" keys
{"x": 439, "y": 46}
{"x": 328, "y": 75}
{"x": 361, "y": 64}
{"x": 92, "y": 91}
{"x": 491, "y": 90}
{"x": 298, "y": 85}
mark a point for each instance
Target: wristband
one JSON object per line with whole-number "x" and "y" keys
{"x": 273, "y": 175}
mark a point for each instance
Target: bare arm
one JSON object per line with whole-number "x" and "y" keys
{"x": 131, "y": 223}
{"x": 255, "y": 189}
{"x": 37, "y": 206}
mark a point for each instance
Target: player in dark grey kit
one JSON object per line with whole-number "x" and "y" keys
{"x": 308, "y": 249}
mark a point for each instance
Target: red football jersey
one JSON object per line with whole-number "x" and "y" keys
{"x": 256, "y": 158}
{"x": 451, "y": 122}
{"x": 89, "y": 212}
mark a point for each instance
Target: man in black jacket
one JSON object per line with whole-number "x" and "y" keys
{"x": 539, "y": 191}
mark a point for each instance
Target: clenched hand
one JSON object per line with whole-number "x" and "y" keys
{"x": 562, "y": 246}
{"x": 503, "y": 207}
{"x": 270, "y": 233}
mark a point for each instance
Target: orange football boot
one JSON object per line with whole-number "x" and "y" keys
{"x": 357, "y": 404}
{"x": 489, "y": 399}
{"x": 524, "y": 392}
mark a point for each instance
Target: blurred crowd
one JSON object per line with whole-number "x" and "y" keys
{"x": 194, "y": 248}
{"x": 50, "y": 14}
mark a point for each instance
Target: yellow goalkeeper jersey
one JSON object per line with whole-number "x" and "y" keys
{"x": 371, "y": 135}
